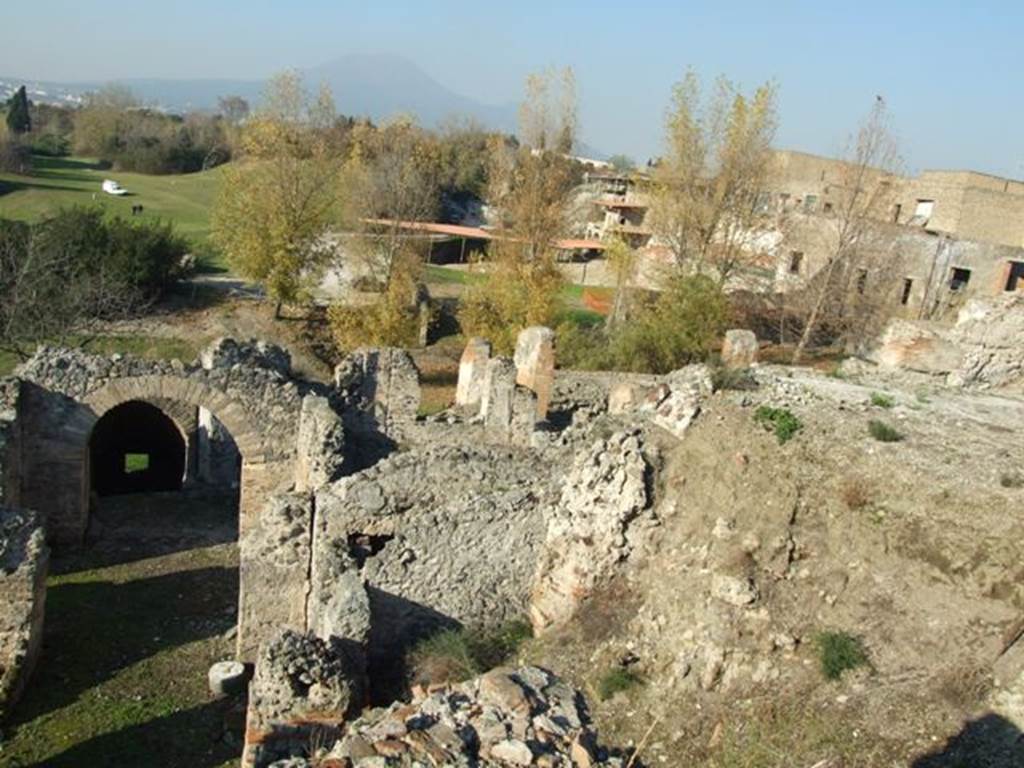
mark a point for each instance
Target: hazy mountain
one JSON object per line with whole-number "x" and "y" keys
{"x": 373, "y": 85}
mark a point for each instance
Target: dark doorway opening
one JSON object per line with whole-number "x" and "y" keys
{"x": 136, "y": 448}
{"x": 1015, "y": 276}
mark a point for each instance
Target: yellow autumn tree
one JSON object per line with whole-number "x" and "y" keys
{"x": 706, "y": 186}
{"x": 529, "y": 184}
{"x": 279, "y": 199}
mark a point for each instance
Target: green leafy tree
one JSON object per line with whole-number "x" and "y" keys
{"x": 19, "y": 118}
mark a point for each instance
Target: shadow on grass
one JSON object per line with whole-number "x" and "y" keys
{"x": 991, "y": 741}
{"x": 7, "y": 186}
{"x": 187, "y": 738}
{"x": 48, "y": 163}
{"x": 94, "y": 630}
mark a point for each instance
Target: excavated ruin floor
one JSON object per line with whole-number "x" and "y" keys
{"x": 133, "y": 622}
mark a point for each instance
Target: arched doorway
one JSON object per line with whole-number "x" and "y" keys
{"x": 136, "y": 448}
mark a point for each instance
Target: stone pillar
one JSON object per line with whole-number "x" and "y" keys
{"x": 473, "y": 373}
{"x": 508, "y": 410}
{"x": 739, "y": 350}
{"x": 383, "y": 385}
{"x": 535, "y": 364}
{"x": 321, "y": 443}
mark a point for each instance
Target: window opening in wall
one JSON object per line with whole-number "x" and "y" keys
{"x": 908, "y": 286}
{"x": 827, "y": 208}
{"x": 922, "y": 213}
{"x": 136, "y": 462}
{"x": 862, "y": 280}
{"x": 363, "y": 546}
{"x": 795, "y": 262}
{"x": 896, "y": 211}
{"x": 1015, "y": 276}
{"x": 959, "y": 278}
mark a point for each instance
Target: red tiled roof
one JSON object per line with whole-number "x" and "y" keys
{"x": 479, "y": 233}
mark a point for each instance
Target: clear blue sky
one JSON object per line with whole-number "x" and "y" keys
{"x": 951, "y": 71}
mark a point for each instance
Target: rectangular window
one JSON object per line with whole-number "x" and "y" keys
{"x": 1015, "y": 276}
{"x": 827, "y": 208}
{"x": 136, "y": 462}
{"x": 796, "y": 259}
{"x": 959, "y": 278}
{"x": 897, "y": 210}
{"x": 908, "y": 286}
{"x": 810, "y": 203}
{"x": 924, "y": 208}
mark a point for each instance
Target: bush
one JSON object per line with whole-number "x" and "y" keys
{"x": 779, "y": 420}
{"x": 615, "y": 681}
{"x": 884, "y": 433}
{"x": 15, "y": 157}
{"x": 454, "y": 655}
{"x": 880, "y": 400}
{"x": 740, "y": 379}
{"x": 1012, "y": 480}
{"x": 681, "y": 325}
{"x": 856, "y": 493}
{"x": 51, "y": 145}
{"x": 393, "y": 321}
{"x": 839, "y": 652}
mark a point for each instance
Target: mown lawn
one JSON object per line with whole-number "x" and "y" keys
{"x": 56, "y": 182}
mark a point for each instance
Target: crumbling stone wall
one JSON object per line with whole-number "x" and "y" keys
{"x": 23, "y": 566}
{"x": 303, "y": 689}
{"x": 288, "y": 432}
{"x": 441, "y": 536}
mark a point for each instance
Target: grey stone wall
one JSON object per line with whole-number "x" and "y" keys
{"x": 24, "y": 560}
{"x": 441, "y": 536}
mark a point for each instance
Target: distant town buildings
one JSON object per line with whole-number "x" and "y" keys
{"x": 949, "y": 234}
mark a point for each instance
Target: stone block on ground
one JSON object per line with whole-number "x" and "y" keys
{"x": 739, "y": 350}
{"x": 24, "y": 560}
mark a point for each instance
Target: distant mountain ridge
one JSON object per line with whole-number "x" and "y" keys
{"x": 377, "y": 86}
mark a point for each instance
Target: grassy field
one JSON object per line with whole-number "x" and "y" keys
{"x": 184, "y": 200}
{"x": 122, "y": 678}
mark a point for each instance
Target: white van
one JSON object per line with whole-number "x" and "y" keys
{"x": 111, "y": 187}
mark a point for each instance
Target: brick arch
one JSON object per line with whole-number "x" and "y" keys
{"x": 252, "y": 443}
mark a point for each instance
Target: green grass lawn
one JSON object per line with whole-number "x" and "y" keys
{"x": 184, "y": 200}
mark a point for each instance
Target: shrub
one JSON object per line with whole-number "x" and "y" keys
{"x": 884, "y": 433}
{"x": 615, "y": 681}
{"x": 740, "y": 379}
{"x": 839, "y": 652}
{"x": 681, "y": 325}
{"x": 779, "y": 420}
{"x": 454, "y": 655}
{"x": 393, "y": 321}
{"x": 880, "y": 400}
{"x": 856, "y": 493}
{"x": 1012, "y": 479}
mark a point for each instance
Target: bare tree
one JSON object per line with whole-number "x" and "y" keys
{"x": 36, "y": 304}
{"x": 707, "y": 186}
{"x": 389, "y": 181}
{"x": 851, "y": 292}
